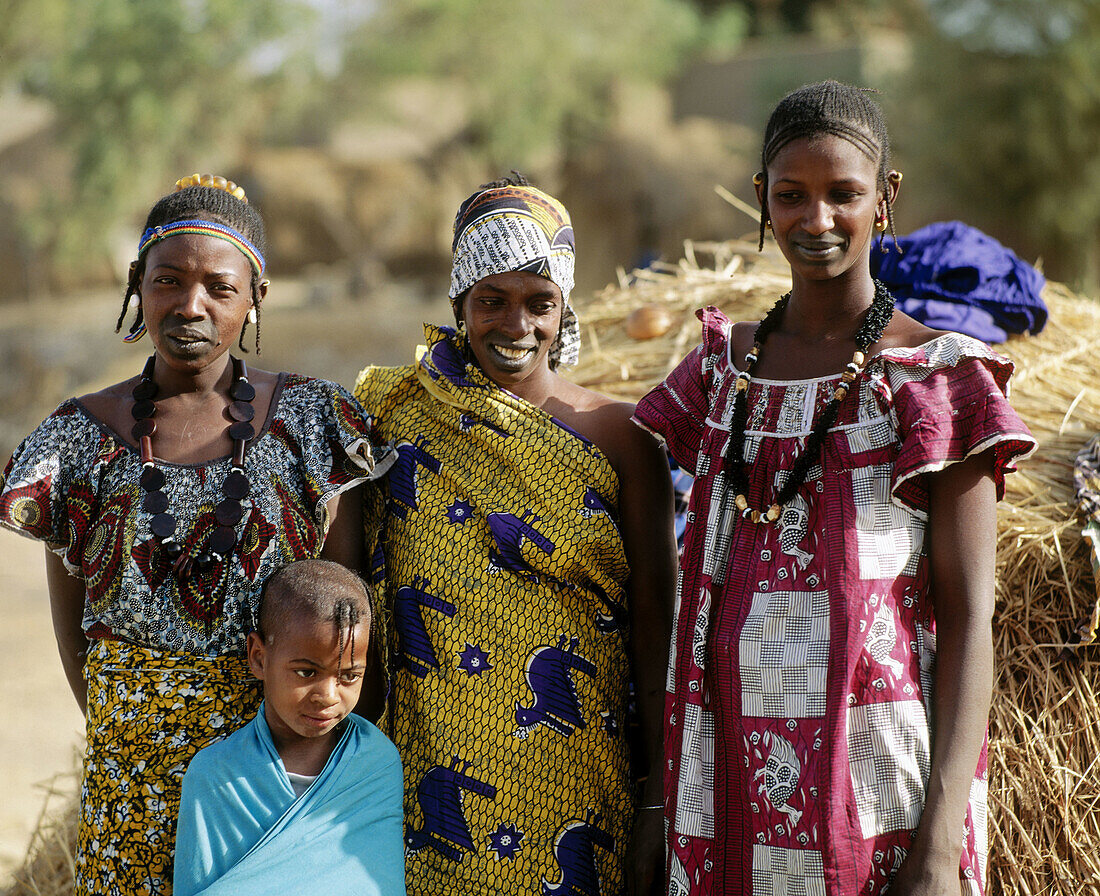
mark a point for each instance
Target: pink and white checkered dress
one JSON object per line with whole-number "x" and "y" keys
{"x": 799, "y": 692}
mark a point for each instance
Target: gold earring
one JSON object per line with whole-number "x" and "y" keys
{"x": 768, "y": 224}
{"x": 758, "y": 178}
{"x": 880, "y": 224}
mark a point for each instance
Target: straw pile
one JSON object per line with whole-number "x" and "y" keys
{"x": 1045, "y": 720}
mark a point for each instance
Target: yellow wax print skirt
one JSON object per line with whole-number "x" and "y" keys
{"x": 504, "y": 592}
{"x": 149, "y": 712}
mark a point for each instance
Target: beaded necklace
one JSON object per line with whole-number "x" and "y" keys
{"x": 235, "y": 488}
{"x": 870, "y": 331}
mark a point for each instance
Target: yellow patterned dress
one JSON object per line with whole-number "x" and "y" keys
{"x": 505, "y": 583}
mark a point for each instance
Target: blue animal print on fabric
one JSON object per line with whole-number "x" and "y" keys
{"x": 404, "y": 494}
{"x": 594, "y": 503}
{"x": 549, "y": 676}
{"x": 575, "y": 853}
{"x": 509, "y": 533}
{"x": 439, "y": 795}
{"x": 413, "y": 642}
{"x": 615, "y": 617}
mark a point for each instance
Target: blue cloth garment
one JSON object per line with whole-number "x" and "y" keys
{"x": 951, "y": 276}
{"x": 241, "y": 830}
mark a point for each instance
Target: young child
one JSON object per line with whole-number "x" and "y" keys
{"x": 306, "y": 797}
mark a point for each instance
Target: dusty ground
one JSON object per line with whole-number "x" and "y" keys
{"x": 56, "y": 349}
{"x": 42, "y": 727}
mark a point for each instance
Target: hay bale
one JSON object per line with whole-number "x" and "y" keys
{"x": 1044, "y": 729}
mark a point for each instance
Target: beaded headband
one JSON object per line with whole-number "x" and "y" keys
{"x": 203, "y": 228}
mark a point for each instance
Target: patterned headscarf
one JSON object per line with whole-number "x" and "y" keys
{"x": 504, "y": 229}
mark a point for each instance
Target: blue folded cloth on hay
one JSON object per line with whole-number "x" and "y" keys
{"x": 951, "y": 276}
{"x": 242, "y": 831}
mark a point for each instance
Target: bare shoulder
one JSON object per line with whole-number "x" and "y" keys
{"x": 741, "y": 338}
{"x": 604, "y": 421}
{"x": 905, "y": 332}
{"x": 111, "y": 403}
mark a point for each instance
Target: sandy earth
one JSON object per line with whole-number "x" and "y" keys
{"x": 306, "y": 328}
{"x": 42, "y": 727}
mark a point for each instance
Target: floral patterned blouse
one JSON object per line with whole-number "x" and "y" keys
{"x": 73, "y": 483}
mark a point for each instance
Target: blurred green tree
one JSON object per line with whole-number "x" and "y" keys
{"x": 1011, "y": 91}
{"x": 537, "y": 75}
{"x": 142, "y": 89}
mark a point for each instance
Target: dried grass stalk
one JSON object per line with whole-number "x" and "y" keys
{"x": 49, "y": 868}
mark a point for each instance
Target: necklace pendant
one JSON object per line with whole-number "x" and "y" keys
{"x": 152, "y": 480}
{"x": 154, "y": 502}
{"x": 221, "y": 540}
{"x": 242, "y": 390}
{"x": 182, "y": 566}
{"x": 241, "y": 411}
{"x": 146, "y": 390}
{"x": 163, "y": 525}
{"x": 236, "y": 486}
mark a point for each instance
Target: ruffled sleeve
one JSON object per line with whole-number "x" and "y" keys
{"x": 46, "y": 466}
{"x": 676, "y": 410}
{"x": 331, "y": 434}
{"x": 950, "y": 401}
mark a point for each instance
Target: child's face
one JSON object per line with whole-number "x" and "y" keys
{"x": 309, "y": 687}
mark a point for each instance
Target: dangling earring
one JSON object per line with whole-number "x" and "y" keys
{"x": 138, "y": 328}
{"x": 880, "y": 223}
{"x": 768, "y": 224}
{"x": 252, "y": 315}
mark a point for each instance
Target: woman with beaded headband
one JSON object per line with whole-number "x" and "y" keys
{"x": 164, "y": 502}
{"x": 832, "y": 666}
{"x": 528, "y": 562}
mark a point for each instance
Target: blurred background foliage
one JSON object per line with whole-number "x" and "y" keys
{"x": 359, "y": 125}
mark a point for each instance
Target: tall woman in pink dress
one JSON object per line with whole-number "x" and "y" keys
{"x": 833, "y": 657}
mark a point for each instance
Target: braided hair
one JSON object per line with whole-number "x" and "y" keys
{"x": 207, "y": 204}
{"x": 316, "y": 590}
{"x": 514, "y": 179}
{"x": 840, "y": 110}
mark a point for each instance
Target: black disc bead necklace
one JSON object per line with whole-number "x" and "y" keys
{"x": 874, "y": 324}
{"x": 235, "y": 488}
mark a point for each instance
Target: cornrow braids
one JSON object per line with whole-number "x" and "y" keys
{"x": 255, "y": 288}
{"x": 318, "y": 590}
{"x": 515, "y": 179}
{"x": 206, "y": 204}
{"x": 839, "y": 110}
